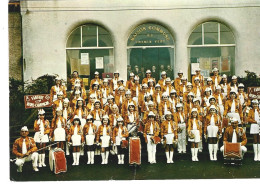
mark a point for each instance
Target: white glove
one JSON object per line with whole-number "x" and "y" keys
{"x": 69, "y": 143}
{"x": 162, "y": 140}
{"x": 82, "y": 144}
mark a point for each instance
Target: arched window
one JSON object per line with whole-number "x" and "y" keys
{"x": 90, "y": 48}
{"x": 151, "y": 46}
{"x": 210, "y": 45}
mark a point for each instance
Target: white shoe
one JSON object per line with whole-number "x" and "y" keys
{"x": 193, "y": 158}
{"x": 20, "y": 169}
{"x": 35, "y": 169}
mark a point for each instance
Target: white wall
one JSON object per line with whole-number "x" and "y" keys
{"x": 47, "y": 24}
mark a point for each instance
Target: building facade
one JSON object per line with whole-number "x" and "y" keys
{"x": 62, "y": 36}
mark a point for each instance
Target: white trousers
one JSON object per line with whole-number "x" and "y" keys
{"x": 33, "y": 157}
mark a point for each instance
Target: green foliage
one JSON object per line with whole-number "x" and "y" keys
{"x": 251, "y": 80}
{"x": 20, "y": 116}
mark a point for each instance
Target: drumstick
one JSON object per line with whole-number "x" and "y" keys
{"x": 12, "y": 160}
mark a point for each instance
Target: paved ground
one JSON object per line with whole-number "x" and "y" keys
{"x": 183, "y": 168}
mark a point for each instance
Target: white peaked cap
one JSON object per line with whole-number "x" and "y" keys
{"x": 92, "y": 96}
{"x": 179, "y": 105}
{"x": 105, "y": 80}
{"x": 96, "y": 73}
{"x": 213, "y": 107}
{"x": 105, "y": 117}
{"x": 194, "y": 110}
{"x": 89, "y": 117}
{"x": 234, "y": 77}
{"x": 24, "y": 128}
{"x": 163, "y": 73}
{"x": 168, "y": 113}
{"x": 41, "y": 111}
{"x": 189, "y": 84}
{"x": 215, "y": 69}
{"x": 241, "y": 85}
{"x": 128, "y": 92}
{"x": 151, "y": 114}
{"x": 150, "y": 103}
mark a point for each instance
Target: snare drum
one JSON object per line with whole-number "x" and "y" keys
{"x": 124, "y": 143}
{"x": 232, "y": 150}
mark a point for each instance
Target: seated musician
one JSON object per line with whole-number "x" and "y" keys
{"x": 235, "y": 134}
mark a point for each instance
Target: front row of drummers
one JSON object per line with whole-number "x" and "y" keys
{"x": 110, "y": 133}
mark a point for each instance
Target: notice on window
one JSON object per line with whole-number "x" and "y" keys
{"x": 84, "y": 58}
{"x": 99, "y": 63}
{"x": 194, "y": 66}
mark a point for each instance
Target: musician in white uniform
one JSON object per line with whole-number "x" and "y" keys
{"x": 89, "y": 135}
{"x": 169, "y": 135}
{"x": 41, "y": 137}
{"x": 75, "y": 137}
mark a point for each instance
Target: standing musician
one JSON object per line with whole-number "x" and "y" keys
{"x": 125, "y": 104}
{"x": 182, "y": 87}
{"x": 97, "y": 113}
{"x": 242, "y": 95}
{"x": 173, "y": 100}
{"x": 89, "y": 134}
{"x": 58, "y": 129}
{"x": 58, "y": 103}
{"x": 157, "y": 96}
{"x": 148, "y": 74}
{"x": 120, "y": 135}
{"x": 151, "y": 85}
{"x": 80, "y": 111}
{"x": 167, "y": 87}
{"x": 212, "y": 131}
{"x": 194, "y": 133}
{"x": 177, "y": 81}
{"x": 58, "y": 87}
{"x": 216, "y": 78}
{"x": 162, "y": 81}
{"x": 90, "y": 106}
{"x": 169, "y": 135}
{"x": 233, "y": 84}
{"x": 24, "y": 148}
{"x": 181, "y": 119}
{"x": 199, "y": 77}
{"x": 254, "y": 120}
{"x": 198, "y": 88}
{"x": 151, "y": 131}
{"x": 209, "y": 86}
{"x": 75, "y": 139}
{"x": 130, "y": 82}
{"x": 96, "y": 79}
{"x": 136, "y": 89}
{"x": 66, "y": 109}
{"x": 75, "y": 77}
{"x": 110, "y": 103}
{"x": 132, "y": 118}
{"x": 220, "y": 100}
{"x": 224, "y": 85}
{"x": 120, "y": 98}
{"x": 113, "y": 82}
{"x": 104, "y": 135}
{"x": 165, "y": 105}
{"x": 41, "y": 138}
{"x": 105, "y": 91}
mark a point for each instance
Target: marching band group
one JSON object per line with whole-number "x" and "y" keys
{"x": 171, "y": 112}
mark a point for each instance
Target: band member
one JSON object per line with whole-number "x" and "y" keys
{"x": 210, "y": 86}
{"x": 80, "y": 111}
{"x": 233, "y": 84}
{"x": 95, "y": 89}
{"x": 165, "y": 105}
{"x": 75, "y": 135}
{"x": 66, "y": 109}
{"x": 181, "y": 119}
{"x": 142, "y": 94}
{"x": 104, "y": 135}
{"x": 177, "y": 81}
{"x": 235, "y": 134}
{"x": 120, "y": 135}
{"x": 113, "y": 82}
{"x": 89, "y": 134}
{"x": 120, "y": 98}
{"x": 128, "y": 99}
{"x": 242, "y": 95}
{"x": 182, "y": 87}
{"x": 58, "y": 129}
{"x": 205, "y": 101}
{"x": 58, "y": 87}
{"x": 130, "y": 82}
{"x": 162, "y": 81}
{"x": 114, "y": 115}
{"x": 173, "y": 100}
{"x": 24, "y": 148}
{"x": 120, "y": 83}
{"x": 233, "y": 107}
{"x": 224, "y": 85}
{"x": 151, "y": 85}
{"x": 41, "y": 137}
{"x": 201, "y": 111}
{"x": 188, "y": 90}
{"x": 168, "y": 87}
{"x": 75, "y": 77}
{"x": 220, "y": 99}
{"x": 58, "y": 103}
{"x": 110, "y": 103}
{"x": 199, "y": 77}
{"x": 148, "y": 76}
{"x": 96, "y": 79}
{"x": 212, "y": 101}
{"x": 188, "y": 105}
{"x": 90, "y": 106}
{"x": 136, "y": 89}
{"x": 97, "y": 113}
{"x": 105, "y": 91}
{"x": 212, "y": 131}
{"x": 169, "y": 135}
{"x": 132, "y": 118}
{"x": 198, "y": 88}
{"x": 82, "y": 90}
{"x": 194, "y": 133}
{"x": 147, "y": 98}
{"x": 157, "y": 96}
{"x": 74, "y": 100}
{"x": 254, "y": 120}
{"x": 151, "y": 131}
{"x": 216, "y": 78}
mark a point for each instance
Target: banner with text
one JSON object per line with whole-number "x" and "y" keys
{"x": 37, "y": 101}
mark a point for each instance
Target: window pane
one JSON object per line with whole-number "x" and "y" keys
{"x": 196, "y": 36}
{"x": 209, "y": 57}
{"x": 104, "y": 38}
{"x": 89, "y": 36}
{"x": 210, "y": 33}
{"x": 150, "y": 35}
{"x": 74, "y": 39}
{"x": 87, "y": 71}
{"x": 226, "y": 36}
